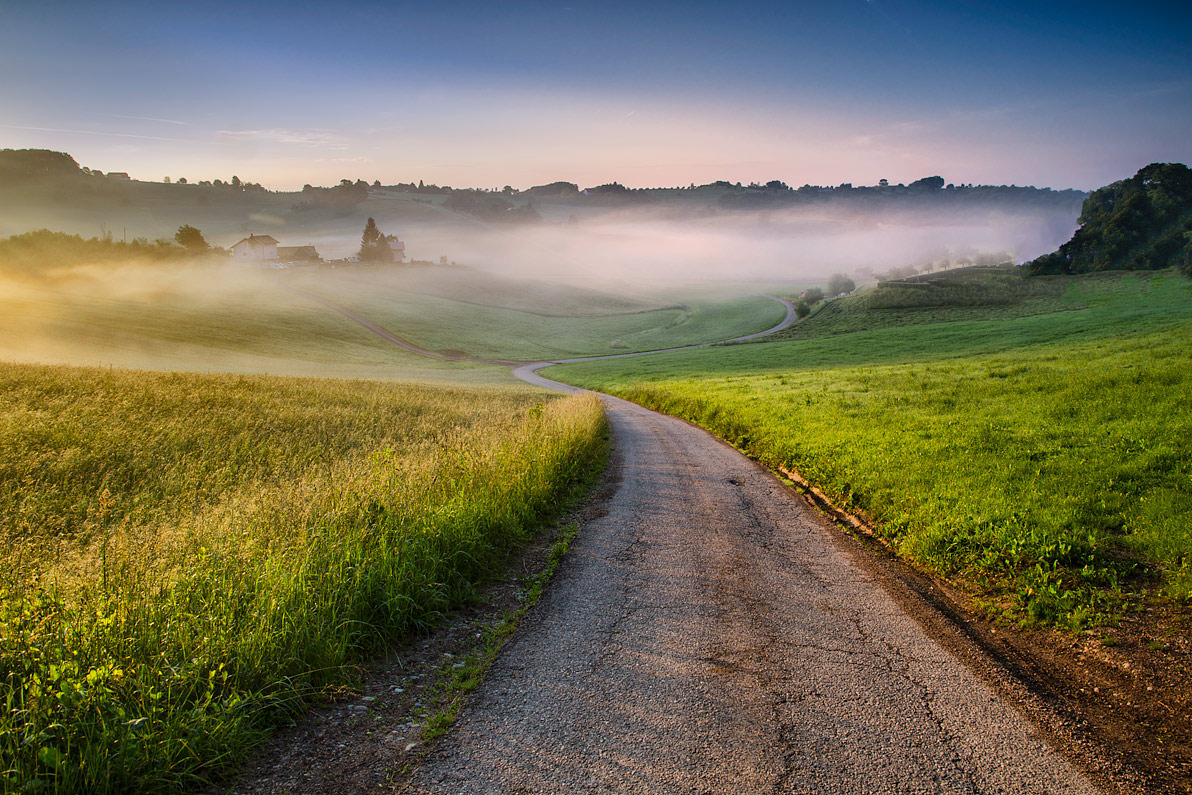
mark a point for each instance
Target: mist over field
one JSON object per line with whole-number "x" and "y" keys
{"x": 638, "y": 248}
{"x": 655, "y": 249}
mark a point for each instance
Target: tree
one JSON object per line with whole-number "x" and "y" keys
{"x": 373, "y": 245}
{"x": 20, "y": 165}
{"x": 813, "y": 295}
{"x": 191, "y": 239}
{"x": 927, "y": 184}
{"x": 802, "y": 310}
{"x": 236, "y": 183}
{"x": 839, "y": 284}
{"x": 1134, "y": 224}
{"x": 371, "y": 233}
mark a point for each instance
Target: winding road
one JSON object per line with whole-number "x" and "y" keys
{"x": 709, "y": 634}
{"x": 713, "y": 633}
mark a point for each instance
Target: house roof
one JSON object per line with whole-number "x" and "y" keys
{"x": 297, "y": 252}
{"x": 257, "y": 240}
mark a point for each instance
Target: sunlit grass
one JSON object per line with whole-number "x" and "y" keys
{"x": 199, "y": 317}
{"x": 1040, "y": 460}
{"x": 190, "y": 558}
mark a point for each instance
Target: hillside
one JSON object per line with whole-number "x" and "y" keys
{"x": 966, "y": 294}
{"x": 836, "y": 404}
{"x": 1140, "y": 223}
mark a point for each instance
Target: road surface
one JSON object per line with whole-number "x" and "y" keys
{"x": 709, "y": 634}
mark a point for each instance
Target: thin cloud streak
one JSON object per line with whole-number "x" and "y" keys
{"x": 96, "y": 132}
{"x": 142, "y": 118}
{"x": 306, "y": 137}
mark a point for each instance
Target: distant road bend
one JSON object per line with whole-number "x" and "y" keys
{"x": 710, "y": 634}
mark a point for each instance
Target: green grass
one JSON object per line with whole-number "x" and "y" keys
{"x": 1039, "y": 460}
{"x": 455, "y": 680}
{"x": 190, "y": 558}
{"x": 218, "y": 318}
{"x": 951, "y": 296}
{"x": 489, "y": 323}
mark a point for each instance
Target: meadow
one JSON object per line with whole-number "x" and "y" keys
{"x": 1038, "y": 459}
{"x": 489, "y": 317}
{"x": 191, "y": 558}
{"x": 205, "y": 314}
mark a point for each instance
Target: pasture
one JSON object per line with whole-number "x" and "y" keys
{"x": 485, "y": 316}
{"x": 210, "y": 316}
{"x": 1040, "y": 460}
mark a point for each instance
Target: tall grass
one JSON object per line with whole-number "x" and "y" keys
{"x": 172, "y": 612}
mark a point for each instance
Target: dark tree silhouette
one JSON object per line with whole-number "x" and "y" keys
{"x": 1140, "y": 223}
{"x": 191, "y": 238}
{"x": 374, "y": 247}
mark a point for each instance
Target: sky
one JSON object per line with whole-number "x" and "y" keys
{"x": 1059, "y": 94}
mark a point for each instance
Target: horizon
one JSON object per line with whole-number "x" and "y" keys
{"x": 1070, "y": 96}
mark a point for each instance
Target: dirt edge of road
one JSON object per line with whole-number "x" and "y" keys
{"x": 368, "y": 738}
{"x": 1106, "y": 706}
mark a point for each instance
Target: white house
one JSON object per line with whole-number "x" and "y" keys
{"x": 255, "y": 248}
{"x": 398, "y": 248}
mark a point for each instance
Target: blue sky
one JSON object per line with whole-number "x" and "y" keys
{"x": 1061, "y": 94}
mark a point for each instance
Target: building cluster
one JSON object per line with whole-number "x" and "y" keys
{"x": 266, "y": 251}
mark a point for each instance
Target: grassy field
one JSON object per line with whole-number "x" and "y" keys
{"x": 493, "y": 318}
{"x": 190, "y": 558}
{"x": 248, "y": 325}
{"x": 1040, "y": 460}
{"x": 209, "y": 316}
{"x": 205, "y": 316}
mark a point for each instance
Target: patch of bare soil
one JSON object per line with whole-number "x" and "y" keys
{"x": 1135, "y": 695}
{"x": 1117, "y": 699}
{"x": 366, "y": 739}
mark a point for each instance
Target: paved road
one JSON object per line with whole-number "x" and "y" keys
{"x": 709, "y": 635}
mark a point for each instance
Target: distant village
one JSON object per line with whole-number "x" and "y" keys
{"x": 266, "y": 251}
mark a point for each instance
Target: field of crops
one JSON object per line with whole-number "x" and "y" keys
{"x": 1041, "y": 460}
{"x": 189, "y": 558}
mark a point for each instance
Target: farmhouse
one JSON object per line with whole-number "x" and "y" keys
{"x": 255, "y": 248}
